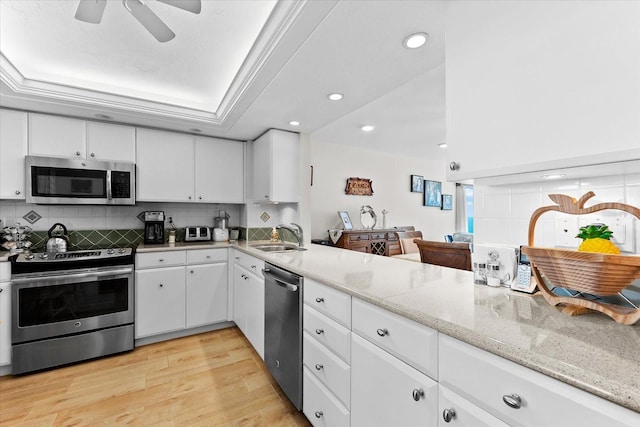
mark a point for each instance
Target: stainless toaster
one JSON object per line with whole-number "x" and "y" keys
{"x": 197, "y": 233}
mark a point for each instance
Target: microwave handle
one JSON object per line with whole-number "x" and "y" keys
{"x": 109, "y": 193}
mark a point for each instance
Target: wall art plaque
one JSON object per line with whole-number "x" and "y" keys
{"x": 359, "y": 187}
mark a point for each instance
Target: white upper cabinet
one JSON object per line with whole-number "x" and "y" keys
{"x": 66, "y": 137}
{"x": 276, "y": 157}
{"x": 164, "y": 166}
{"x": 219, "y": 170}
{"x": 13, "y": 148}
{"x": 111, "y": 142}
{"x": 525, "y": 92}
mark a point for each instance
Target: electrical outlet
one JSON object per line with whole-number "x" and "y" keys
{"x": 566, "y": 230}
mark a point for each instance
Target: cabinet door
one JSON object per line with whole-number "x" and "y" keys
{"x": 456, "y": 411}
{"x": 111, "y": 142}
{"x": 5, "y": 324}
{"x": 262, "y": 164}
{"x": 13, "y": 148}
{"x": 206, "y": 294}
{"x": 388, "y": 392}
{"x": 219, "y": 170}
{"x": 160, "y": 301}
{"x": 276, "y": 156}
{"x": 164, "y": 165}
{"x": 240, "y": 278}
{"x": 255, "y": 313}
{"x": 56, "y": 136}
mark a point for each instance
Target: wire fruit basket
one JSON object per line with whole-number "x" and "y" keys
{"x": 590, "y": 273}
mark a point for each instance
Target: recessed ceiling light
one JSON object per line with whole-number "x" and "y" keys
{"x": 294, "y": 123}
{"x": 553, "y": 176}
{"x": 196, "y": 130}
{"x": 416, "y": 40}
{"x": 442, "y": 145}
{"x": 367, "y": 128}
{"x": 104, "y": 117}
{"x": 335, "y": 96}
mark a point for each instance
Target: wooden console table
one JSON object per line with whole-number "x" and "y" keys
{"x": 376, "y": 241}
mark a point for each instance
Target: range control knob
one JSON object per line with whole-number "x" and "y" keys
{"x": 121, "y": 250}
{"x": 44, "y": 256}
{"x": 110, "y": 251}
{"x": 29, "y": 256}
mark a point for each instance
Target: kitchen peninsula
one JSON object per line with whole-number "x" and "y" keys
{"x": 590, "y": 352}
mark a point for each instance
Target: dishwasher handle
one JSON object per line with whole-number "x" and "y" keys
{"x": 288, "y": 286}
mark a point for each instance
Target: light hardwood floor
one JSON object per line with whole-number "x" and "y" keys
{"x": 210, "y": 379}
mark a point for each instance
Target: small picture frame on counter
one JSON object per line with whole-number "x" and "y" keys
{"x": 346, "y": 221}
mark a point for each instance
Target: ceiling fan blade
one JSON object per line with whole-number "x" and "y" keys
{"x": 193, "y": 6}
{"x": 91, "y": 11}
{"x": 149, "y": 20}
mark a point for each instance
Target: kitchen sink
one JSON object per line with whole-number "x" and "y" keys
{"x": 278, "y": 247}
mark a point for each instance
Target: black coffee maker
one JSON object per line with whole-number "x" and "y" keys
{"x": 154, "y": 227}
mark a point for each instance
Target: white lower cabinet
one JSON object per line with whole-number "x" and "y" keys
{"x": 160, "y": 301}
{"x": 454, "y": 410}
{"x": 520, "y": 396}
{"x": 177, "y": 290}
{"x": 320, "y": 406}
{"x": 5, "y": 313}
{"x": 248, "y": 300}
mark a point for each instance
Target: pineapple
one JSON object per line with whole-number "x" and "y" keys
{"x": 596, "y": 239}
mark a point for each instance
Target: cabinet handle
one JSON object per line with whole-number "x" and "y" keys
{"x": 1, "y": 289}
{"x": 17, "y": 192}
{"x": 253, "y": 267}
{"x": 319, "y": 300}
{"x": 93, "y": 155}
{"x": 319, "y": 367}
{"x": 319, "y": 331}
{"x": 191, "y": 271}
{"x": 382, "y": 332}
{"x": 418, "y": 394}
{"x": 512, "y": 400}
{"x": 161, "y": 260}
{"x": 208, "y": 256}
{"x": 448, "y": 415}
{"x": 189, "y": 197}
{"x": 237, "y": 258}
{"x": 162, "y": 285}
{"x": 77, "y": 153}
{"x": 319, "y": 414}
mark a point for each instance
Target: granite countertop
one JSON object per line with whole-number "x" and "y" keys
{"x": 591, "y": 351}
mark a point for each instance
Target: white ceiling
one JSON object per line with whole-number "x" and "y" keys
{"x": 237, "y": 68}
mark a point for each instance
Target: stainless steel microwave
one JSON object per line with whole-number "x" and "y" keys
{"x": 53, "y": 180}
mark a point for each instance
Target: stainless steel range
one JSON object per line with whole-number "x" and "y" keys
{"x": 70, "y": 306}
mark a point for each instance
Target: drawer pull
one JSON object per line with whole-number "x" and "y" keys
{"x": 319, "y": 367}
{"x": 448, "y": 415}
{"x": 237, "y": 258}
{"x": 208, "y": 256}
{"x": 253, "y": 267}
{"x": 319, "y": 331}
{"x": 319, "y": 300}
{"x": 162, "y": 285}
{"x": 512, "y": 400}
{"x": 418, "y": 394}
{"x": 319, "y": 414}
{"x": 383, "y": 332}
{"x": 161, "y": 259}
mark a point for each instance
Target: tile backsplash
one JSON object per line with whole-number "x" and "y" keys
{"x": 502, "y": 212}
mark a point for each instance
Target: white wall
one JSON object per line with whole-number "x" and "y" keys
{"x": 333, "y": 164}
{"x": 502, "y": 213}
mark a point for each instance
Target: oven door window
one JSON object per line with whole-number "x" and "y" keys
{"x": 63, "y": 182}
{"x": 58, "y": 303}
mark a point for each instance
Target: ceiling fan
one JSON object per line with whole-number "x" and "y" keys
{"x": 92, "y": 10}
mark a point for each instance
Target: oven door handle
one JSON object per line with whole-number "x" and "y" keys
{"x": 65, "y": 275}
{"x": 109, "y": 190}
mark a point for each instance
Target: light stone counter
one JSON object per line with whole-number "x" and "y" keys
{"x": 591, "y": 351}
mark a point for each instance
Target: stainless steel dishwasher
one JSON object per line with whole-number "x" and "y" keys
{"x": 283, "y": 330}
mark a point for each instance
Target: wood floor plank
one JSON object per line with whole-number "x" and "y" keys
{"x": 210, "y": 379}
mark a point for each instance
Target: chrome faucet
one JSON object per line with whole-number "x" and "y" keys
{"x": 296, "y": 230}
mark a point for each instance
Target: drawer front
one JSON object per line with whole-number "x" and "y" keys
{"x": 320, "y": 406}
{"x": 455, "y": 411}
{"x": 5, "y": 271}
{"x": 160, "y": 259}
{"x": 409, "y": 341}
{"x": 252, "y": 264}
{"x": 328, "y": 368}
{"x": 206, "y": 256}
{"x": 490, "y": 382}
{"x": 358, "y": 237}
{"x": 331, "y": 334}
{"x": 328, "y": 301}
{"x": 378, "y": 236}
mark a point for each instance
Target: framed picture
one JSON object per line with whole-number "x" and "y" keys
{"x": 432, "y": 193}
{"x": 447, "y": 202}
{"x": 417, "y": 183}
{"x": 346, "y": 221}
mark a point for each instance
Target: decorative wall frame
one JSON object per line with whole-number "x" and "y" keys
{"x": 432, "y": 193}
{"x": 417, "y": 183}
{"x": 359, "y": 187}
{"x": 447, "y": 202}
